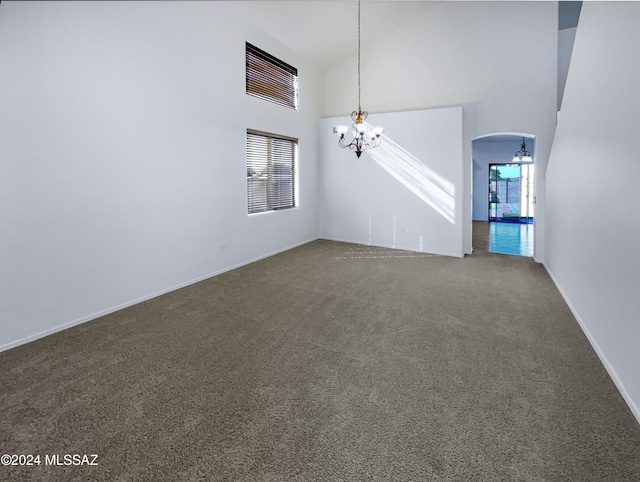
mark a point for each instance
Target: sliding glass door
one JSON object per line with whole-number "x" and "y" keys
{"x": 511, "y": 193}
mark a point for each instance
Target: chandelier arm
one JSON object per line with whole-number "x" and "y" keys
{"x": 360, "y": 142}
{"x": 342, "y": 142}
{"x": 351, "y": 146}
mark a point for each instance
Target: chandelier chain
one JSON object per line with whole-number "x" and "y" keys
{"x": 359, "y": 108}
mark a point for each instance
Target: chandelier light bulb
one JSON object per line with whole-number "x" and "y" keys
{"x": 341, "y": 130}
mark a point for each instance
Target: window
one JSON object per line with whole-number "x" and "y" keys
{"x": 271, "y": 161}
{"x": 270, "y": 78}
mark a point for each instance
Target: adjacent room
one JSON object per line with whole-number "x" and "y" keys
{"x": 319, "y": 240}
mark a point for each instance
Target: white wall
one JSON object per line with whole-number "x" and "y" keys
{"x": 566, "y": 38}
{"x": 593, "y": 227}
{"x": 122, "y": 156}
{"x": 406, "y": 193}
{"x": 496, "y": 59}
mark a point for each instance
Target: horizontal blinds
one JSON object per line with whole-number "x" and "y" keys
{"x": 271, "y": 79}
{"x": 270, "y": 171}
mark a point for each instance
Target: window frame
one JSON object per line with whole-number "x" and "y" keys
{"x": 280, "y": 150}
{"x": 270, "y": 79}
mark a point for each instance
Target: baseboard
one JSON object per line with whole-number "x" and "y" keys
{"x": 603, "y": 359}
{"x": 403, "y": 248}
{"x": 93, "y": 316}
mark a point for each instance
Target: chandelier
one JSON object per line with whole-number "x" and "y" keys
{"x": 522, "y": 155}
{"x": 360, "y": 136}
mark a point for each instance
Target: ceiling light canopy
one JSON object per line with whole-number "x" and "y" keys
{"x": 360, "y": 136}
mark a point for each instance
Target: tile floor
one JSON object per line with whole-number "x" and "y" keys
{"x": 511, "y": 238}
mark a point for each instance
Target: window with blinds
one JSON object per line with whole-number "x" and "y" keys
{"x": 271, "y": 161}
{"x": 270, "y": 78}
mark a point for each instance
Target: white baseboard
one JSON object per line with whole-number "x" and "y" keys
{"x": 603, "y": 359}
{"x": 93, "y": 316}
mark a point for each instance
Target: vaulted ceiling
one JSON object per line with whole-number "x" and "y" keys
{"x": 326, "y": 31}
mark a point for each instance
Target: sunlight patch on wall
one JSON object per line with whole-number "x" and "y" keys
{"x": 411, "y": 172}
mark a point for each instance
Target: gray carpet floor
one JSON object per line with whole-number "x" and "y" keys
{"x": 330, "y": 361}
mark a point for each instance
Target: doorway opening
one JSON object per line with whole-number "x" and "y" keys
{"x": 503, "y": 191}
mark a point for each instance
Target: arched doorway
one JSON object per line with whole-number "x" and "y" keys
{"x": 503, "y": 192}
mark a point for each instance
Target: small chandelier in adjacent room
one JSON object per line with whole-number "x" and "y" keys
{"x": 522, "y": 155}
{"x": 360, "y": 136}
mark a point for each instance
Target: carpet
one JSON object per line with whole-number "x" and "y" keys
{"x": 330, "y": 361}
